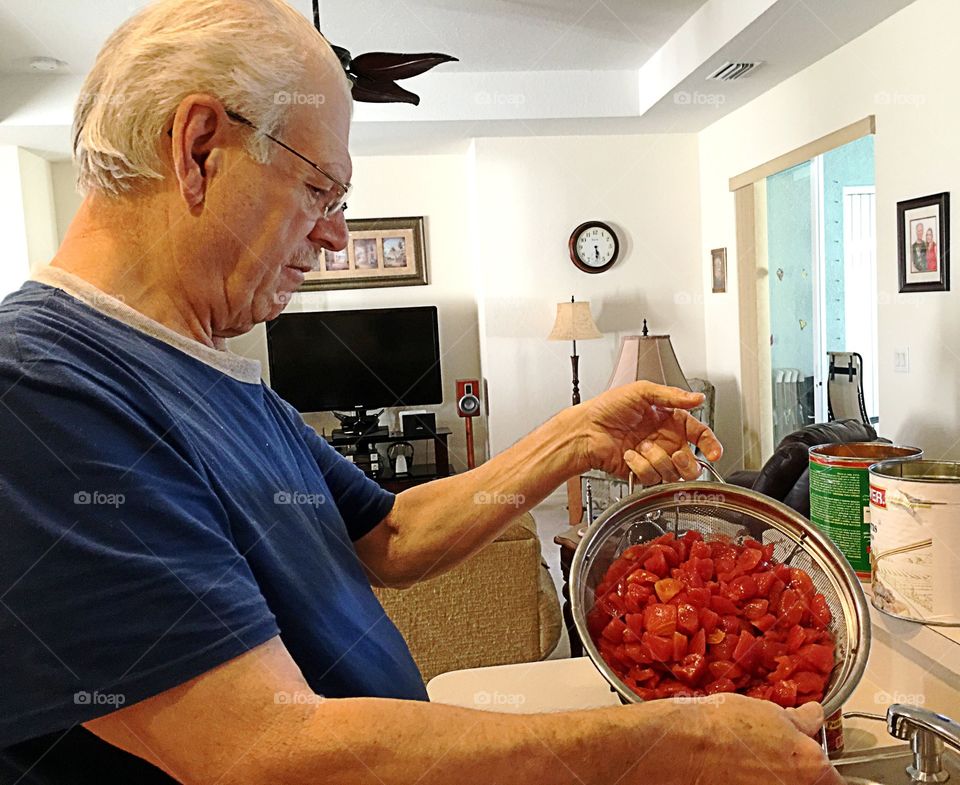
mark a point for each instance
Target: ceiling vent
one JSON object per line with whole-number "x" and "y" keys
{"x": 730, "y": 71}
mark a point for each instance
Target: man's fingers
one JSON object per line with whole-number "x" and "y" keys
{"x": 686, "y": 464}
{"x": 808, "y": 718}
{"x": 660, "y": 461}
{"x": 705, "y": 439}
{"x": 640, "y": 466}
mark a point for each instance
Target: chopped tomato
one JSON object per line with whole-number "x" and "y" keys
{"x": 720, "y": 685}
{"x": 659, "y": 647}
{"x": 818, "y": 656}
{"x": 680, "y": 643}
{"x": 809, "y": 683}
{"x": 698, "y": 643}
{"x": 700, "y": 550}
{"x": 614, "y": 631}
{"x": 820, "y": 611}
{"x": 786, "y": 666}
{"x": 755, "y": 609}
{"x": 688, "y": 619}
{"x": 685, "y": 617}
{"x": 716, "y": 637}
{"x": 667, "y": 589}
{"x": 691, "y": 669}
{"x": 746, "y": 652}
{"x": 750, "y": 557}
{"x": 660, "y": 619}
{"x": 656, "y": 562}
{"x": 742, "y": 588}
{"x": 720, "y": 669}
{"x": 765, "y": 622}
{"x": 635, "y": 552}
{"x": 795, "y": 639}
{"x": 785, "y": 694}
{"x": 764, "y": 581}
{"x": 709, "y": 619}
{"x": 722, "y": 604}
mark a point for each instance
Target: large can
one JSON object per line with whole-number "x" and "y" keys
{"x": 915, "y": 522}
{"x": 840, "y": 494}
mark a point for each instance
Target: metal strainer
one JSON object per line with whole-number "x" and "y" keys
{"x": 721, "y": 511}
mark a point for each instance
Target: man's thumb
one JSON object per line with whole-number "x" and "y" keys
{"x": 673, "y": 397}
{"x": 808, "y": 718}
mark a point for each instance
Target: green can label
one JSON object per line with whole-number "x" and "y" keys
{"x": 840, "y": 507}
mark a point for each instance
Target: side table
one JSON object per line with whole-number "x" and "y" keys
{"x": 568, "y": 541}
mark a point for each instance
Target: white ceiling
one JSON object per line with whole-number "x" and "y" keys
{"x": 526, "y": 66}
{"x": 487, "y": 35}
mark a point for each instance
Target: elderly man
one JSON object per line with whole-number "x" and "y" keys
{"x": 163, "y": 620}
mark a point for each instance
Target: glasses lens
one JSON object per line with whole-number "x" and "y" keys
{"x": 338, "y": 204}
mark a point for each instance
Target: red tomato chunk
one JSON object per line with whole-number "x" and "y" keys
{"x": 683, "y": 617}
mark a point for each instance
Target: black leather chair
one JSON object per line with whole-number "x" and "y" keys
{"x": 786, "y": 477}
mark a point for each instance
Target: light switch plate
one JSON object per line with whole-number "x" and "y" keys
{"x": 901, "y": 360}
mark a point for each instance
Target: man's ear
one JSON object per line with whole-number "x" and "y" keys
{"x": 199, "y": 133}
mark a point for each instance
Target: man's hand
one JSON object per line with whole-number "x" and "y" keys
{"x": 730, "y": 739}
{"x": 646, "y": 428}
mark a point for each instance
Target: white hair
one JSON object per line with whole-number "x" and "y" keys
{"x": 244, "y": 52}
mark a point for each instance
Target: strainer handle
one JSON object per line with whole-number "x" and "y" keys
{"x": 704, "y": 464}
{"x": 711, "y": 470}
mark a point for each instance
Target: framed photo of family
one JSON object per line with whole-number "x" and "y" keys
{"x": 379, "y": 252}
{"x": 923, "y": 231}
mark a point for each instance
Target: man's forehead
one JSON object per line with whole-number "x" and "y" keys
{"x": 321, "y": 131}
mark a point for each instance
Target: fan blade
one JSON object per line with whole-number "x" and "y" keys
{"x": 373, "y": 91}
{"x": 393, "y": 66}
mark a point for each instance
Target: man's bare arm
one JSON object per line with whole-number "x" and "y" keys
{"x": 254, "y": 720}
{"x": 435, "y": 526}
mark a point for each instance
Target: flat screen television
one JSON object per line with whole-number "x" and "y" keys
{"x": 356, "y": 360}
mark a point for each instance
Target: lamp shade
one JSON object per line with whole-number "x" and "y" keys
{"x": 650, "y": 358}
{"x": 574, "y": 323}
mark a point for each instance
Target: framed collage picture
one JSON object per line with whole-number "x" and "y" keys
{"x": 380, "y": 252}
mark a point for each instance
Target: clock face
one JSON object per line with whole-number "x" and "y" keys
{"x": 594, "y": 247}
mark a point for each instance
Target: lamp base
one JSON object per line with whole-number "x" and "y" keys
{"x": 575, "y": 364}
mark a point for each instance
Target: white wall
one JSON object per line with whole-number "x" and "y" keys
{"x": 66, "y": 198}
{"x": 15, "y": 264}
{"x": 530, "y": 194}
{"x": 27, "y": 219}
{"x": 913, "y": 92}
{"x": 38, "y": 208}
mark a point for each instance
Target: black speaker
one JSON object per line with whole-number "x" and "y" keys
{"x": 418, "y": 423}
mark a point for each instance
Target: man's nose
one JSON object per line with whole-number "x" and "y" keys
{"x": 331, "y": 232}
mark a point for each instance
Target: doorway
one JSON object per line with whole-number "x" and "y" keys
{"x": 817, "y": 250}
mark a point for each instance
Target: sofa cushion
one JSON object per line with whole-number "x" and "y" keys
{"x": 498, "y": 607}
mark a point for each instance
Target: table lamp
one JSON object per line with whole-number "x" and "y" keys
{"x": 574, "y": 323}
{"x": 650, "y": 358}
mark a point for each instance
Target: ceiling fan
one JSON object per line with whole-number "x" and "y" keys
{"x": 374, "y": 75}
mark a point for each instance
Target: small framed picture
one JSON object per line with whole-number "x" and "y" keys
{"x": 718, "y": 258}
{"x": 923, "y": 231}
{"x": 379, "y": 252}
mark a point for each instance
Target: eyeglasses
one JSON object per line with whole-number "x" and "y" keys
{"x": 339, "y": 203}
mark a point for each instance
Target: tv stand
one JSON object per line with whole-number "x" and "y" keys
{"x": 418, "y": 473}
{"x": 361, "y": 422}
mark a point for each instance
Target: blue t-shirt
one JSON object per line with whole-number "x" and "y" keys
{"x": 161, "y": 512}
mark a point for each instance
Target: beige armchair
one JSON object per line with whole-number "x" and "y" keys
{"x": 497, "y": 608}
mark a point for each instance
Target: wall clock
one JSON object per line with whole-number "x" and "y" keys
{"x": 594, "y": 247}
